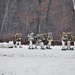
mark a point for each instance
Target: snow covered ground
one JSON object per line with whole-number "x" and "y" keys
{"x": 24, "y": 61}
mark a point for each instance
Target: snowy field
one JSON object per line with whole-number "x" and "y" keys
{"x": 24, "y": 61}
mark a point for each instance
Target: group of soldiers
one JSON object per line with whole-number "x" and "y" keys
{"x": 40, "y": 39}
{"x": 66, "y": 39}
{"x": 44, "y": 40}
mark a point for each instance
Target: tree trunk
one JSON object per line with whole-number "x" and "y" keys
{"x": 5, "y": 15}
{"x": 38, "y": 15}
{"x": 47, "y": 13}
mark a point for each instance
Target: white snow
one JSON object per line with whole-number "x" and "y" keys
{"x": 7, "y": 45}
{"x": 24, "y": 61}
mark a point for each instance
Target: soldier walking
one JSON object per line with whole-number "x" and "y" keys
{"x": 63, "y": 40}
{"x": 30, "y": 39}
{"x": 18, "y": 39}
{"x": 69, "y": 38}
{"x": 43, "y": 39}
{"x": 49, "y": 39}
{"x": 37, "y": 40}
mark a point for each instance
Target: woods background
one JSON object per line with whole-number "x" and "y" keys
{"x": 38, "y": 16}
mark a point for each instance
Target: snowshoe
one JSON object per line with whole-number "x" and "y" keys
{"x": 15, "y": 46}
{"x": 63, "y": 49}
{"x": 48, "y": 48}
{"x": 11, "y": 47}
{"x": 29, "y": 48}
{"x": 71, "y": 48}
{"x": 32, "y": 48}
{"x": 36, "y": 48}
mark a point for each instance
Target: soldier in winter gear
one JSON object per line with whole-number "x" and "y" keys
{"x": 30, "y": 39}
{"x": 37, "y": 40}
{"x": 66, "y": 37}
{"x": 69, "y": 38}
{"x": 49, "y": 39}
{"x": 43, "y": 39}
{"x": 63, "y": 39}
{"x": 18, "y": 39}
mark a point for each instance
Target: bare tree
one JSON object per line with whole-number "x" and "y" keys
{"x": 12, "y": 5}
{"x": 5, "y": 15}
{"x": 38, "y": 15}
{"x": 27, "y": 18}
{"x": 47, "y": 13}
{"x": 7, "y": 10}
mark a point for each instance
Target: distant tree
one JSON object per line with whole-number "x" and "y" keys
{"x": 5, "y": 15}
{"x": 27, "y": 17}
{"x": 8, "y": 8}
{"x": 38, "y": 17}
{"x": 47, "y": 13}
